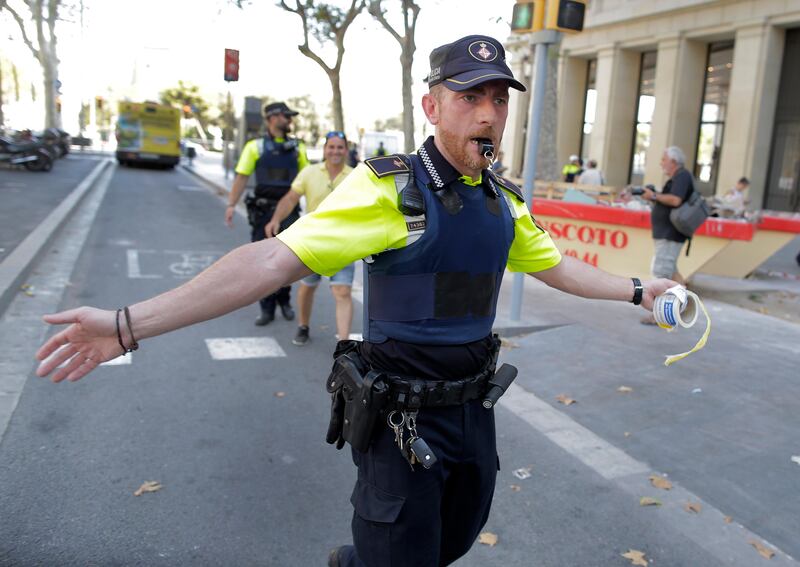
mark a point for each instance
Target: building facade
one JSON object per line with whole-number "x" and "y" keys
{"x": 718, "y": 78}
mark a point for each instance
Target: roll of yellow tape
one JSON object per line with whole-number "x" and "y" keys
{"x": 679, "y": 307}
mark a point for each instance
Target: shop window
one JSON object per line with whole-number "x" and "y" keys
{"x": 645, "y": 105}
{"x": 713, "y": 114}
{"x": 589, "y": 107}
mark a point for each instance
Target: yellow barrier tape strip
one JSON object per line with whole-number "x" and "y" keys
{"x": 701, "y": 343}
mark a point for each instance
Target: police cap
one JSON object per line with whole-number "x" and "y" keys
{"x": 470, "y": 61}
{"x": 274, "y": 108}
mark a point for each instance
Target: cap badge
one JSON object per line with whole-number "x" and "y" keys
{"x": 397, "y": 162}
{"x": 483, "y": 51}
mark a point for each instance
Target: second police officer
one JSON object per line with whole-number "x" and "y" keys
{"x": 276, "y": 159}
{"x": 437, "y": 230}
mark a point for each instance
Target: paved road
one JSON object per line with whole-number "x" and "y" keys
{"x": 237, "y": 442}
{"x": 28, "y": 197}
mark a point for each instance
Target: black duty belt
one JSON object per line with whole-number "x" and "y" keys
{"x": 410, "y": 393}
{"x": 265, "y": 203}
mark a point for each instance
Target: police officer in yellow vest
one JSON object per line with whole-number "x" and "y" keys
{"x": 572, "y": 170}
{"x": 276, "y": 160}
{"x": 437, "y": 230}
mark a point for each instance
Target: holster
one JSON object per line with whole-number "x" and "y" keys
{"x": 357, "y": 397}
{"x": 257, "y": 207}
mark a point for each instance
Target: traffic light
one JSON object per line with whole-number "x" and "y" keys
{"x": 231, "y": 64}
{"x": 527, "y": 16}
{"x": 565, "y": 15}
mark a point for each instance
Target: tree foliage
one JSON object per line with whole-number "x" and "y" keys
{"x": 306, "y": 124}
{"x": 409, "y": 10}
{"x": 187, "y": 97}
{"x": 326, "y": 23}
{"x": 37, "y": 24}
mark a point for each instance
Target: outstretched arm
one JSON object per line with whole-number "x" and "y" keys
{"x": 239, "y": 185}
{"x": 240, "y": 278}
{"x": 579, "y": 278}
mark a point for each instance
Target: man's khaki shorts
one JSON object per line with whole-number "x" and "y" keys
{"x": 665, "y": 260}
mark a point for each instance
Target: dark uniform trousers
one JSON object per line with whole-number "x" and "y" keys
{"x": 258, "y": 221}
{"x": 425, "y": 518}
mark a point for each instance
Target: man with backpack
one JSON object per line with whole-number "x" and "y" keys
{"x": 667, "y": 241}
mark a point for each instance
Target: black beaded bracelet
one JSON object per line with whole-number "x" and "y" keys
{"x": 638, "y": 291}
{"x": 134, "y": 344}
{"x": 119, "y": 334}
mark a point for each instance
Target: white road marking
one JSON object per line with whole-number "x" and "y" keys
{"x": 709, "y": 531}
{"x": 190, "y": 188}
{"x": 120, "y": 360}
{"x": 244, "y": 347}
{"x": 134, "y": 269}
{"x": 21, "y": 326}
{"x": 595, "y": 452}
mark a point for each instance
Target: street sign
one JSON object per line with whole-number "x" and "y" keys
{"x": 231, "y": 65}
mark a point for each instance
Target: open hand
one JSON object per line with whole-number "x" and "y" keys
{"x": 90, "y": 339}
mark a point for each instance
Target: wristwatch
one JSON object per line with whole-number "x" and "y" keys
{"x": 638, "y": 290}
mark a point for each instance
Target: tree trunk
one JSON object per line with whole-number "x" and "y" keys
{"x": 407, "y": 60}
{"x": 52, "y": 117}
{"x": 1, "y": 95}
{"x": 336, "y": 104}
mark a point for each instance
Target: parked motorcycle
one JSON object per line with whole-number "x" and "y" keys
{"x": 31, "y": 155}
{"x": 56, "y": 140}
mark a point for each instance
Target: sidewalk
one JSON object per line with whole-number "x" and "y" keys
{"x": 209, "y": 167}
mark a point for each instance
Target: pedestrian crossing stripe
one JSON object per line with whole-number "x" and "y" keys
{"x": 244, "y": 347}
{"x": 120, "y": 360}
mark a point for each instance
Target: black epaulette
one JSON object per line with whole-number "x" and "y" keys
{"x": 506, "y": 184}
{"x": 382, "y": 166}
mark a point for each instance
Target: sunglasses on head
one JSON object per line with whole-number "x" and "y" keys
{"x": 335, "y": 134}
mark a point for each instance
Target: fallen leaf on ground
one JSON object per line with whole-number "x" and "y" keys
{"x": 636, "y": 557}
{"x": 727, "y": 519}
{"x": 763, "y": 310}
{"x": 624, "y": 389}
{"x": 566, "y": 400}
{"x": 488, "y": 538}
{"x": 148, "y": 486}
{"x": 280, "y": 394}
{"x": 660, "y": 482}
{"x": 505, "y": 343}
{"x": 762, "y": 551}
{"x": 515, "y": 488}
{"x": 647, "y": 501}
{"x": 692, "y": 507}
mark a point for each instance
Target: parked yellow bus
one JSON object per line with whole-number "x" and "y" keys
{"x": 148, "y": 133}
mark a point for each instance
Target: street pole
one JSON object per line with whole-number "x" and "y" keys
{"x": 542, "y": 41}
{"x": 227, "y": 156}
